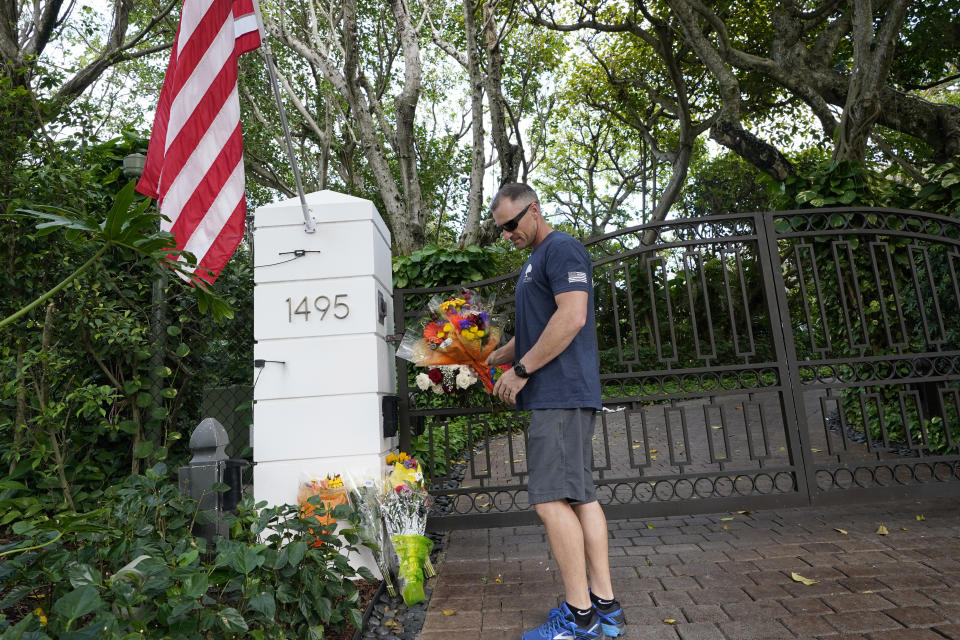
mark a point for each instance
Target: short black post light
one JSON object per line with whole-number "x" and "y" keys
{"x": 197, "y": 479}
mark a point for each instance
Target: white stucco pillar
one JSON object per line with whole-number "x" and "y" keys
{"x": 320, "y": 327}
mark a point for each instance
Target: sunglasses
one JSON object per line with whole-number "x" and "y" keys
{"x": 511, "y": 225}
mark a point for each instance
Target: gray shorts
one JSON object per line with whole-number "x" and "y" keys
{"x": 560, "y": 455}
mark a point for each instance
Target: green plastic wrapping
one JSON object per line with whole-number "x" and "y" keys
{"x": 413, "y": 551}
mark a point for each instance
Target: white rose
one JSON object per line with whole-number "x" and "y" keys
{"x": 423, "y": 381}
{"x": 436, "y": 388}
{"x": 465, "y": 378}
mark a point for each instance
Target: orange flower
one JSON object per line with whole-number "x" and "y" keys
{"x": 430, "y": 333}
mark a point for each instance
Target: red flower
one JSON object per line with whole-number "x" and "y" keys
{"x": 436, "y": 377}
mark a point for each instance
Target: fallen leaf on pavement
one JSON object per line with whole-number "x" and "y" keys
{"x": 921, "y": 517}
{"x": 843, "y": 531}
{"x": 805, "y": 581}
{"x": 669, "y": 620}
{"x": 448, "y": 612}
{"x": 882, "y": 530}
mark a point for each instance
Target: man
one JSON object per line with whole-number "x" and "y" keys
{"x": 556, "y": 377}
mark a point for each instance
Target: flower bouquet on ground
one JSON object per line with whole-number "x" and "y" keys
{"x": 404, "y": 507}
{"x": 366, "y": 495}
{"x": 461, "y": 330}
{"x": 330, "y": 493}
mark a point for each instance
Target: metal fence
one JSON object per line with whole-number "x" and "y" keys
{"x": 747, "y": 360}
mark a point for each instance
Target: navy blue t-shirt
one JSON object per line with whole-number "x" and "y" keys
{"x": 572, "y": 379}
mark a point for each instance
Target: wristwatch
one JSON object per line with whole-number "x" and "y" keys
{"x": 520, "y": 370}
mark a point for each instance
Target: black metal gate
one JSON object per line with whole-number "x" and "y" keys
{"x": 747, "y": 361}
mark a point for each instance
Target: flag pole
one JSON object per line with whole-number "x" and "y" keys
{"x": 308, "y": 221}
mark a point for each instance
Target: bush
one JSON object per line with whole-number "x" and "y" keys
{"x": 132, "y": 569}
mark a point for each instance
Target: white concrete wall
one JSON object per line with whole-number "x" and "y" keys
{"x": 319, "y": 412}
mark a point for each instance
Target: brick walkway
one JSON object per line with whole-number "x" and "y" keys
{"x": 726, "y": 576}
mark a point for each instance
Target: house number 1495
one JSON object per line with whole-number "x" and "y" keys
{"x": 321, "y": 304}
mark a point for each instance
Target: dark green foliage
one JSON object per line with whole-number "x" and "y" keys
{"x": 270, "y": 580}
{"x": 435, "y": 266}
{"x": 98, "y": 384}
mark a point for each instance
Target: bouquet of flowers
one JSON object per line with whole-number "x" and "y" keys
{"x": 331, "y": 493}
{"x": 461, "y": 330}
{"x": 366, "y": 496}
{"x": 447, "y": 378}
{"x": 404, "y": 507}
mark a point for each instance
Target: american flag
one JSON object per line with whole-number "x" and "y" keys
{"x": 194, "y": 165}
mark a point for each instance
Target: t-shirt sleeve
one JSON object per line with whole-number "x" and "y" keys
{"x": 569, "y": 268}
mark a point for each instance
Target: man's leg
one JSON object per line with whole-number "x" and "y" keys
{"x": 593, "y": 525}
{"x": 567, "y": 544}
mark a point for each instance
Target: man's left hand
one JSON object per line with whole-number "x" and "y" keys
{"x": 508, "y": 386}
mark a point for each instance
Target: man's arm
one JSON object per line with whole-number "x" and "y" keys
{"x": 502, "y": 355}
{"x": 561, "y": 329}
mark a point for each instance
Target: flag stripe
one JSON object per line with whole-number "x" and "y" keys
{"x": 217, "y": 215}
{"x": 220, "y": 114}
{"x": 189, "y": 20}
{"x": 231, "y": 235}
{"x": 194, "y": 90}
{"x": 214, "y": 171}
{"x": 195, "y": 160}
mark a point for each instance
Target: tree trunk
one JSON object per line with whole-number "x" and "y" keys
{"x": 509, "y": 154}
{"x": 406, "y": 107}
{"x": 471, "y": 227}
{"x": 872, "y": 56}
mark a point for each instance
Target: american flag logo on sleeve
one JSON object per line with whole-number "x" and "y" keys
{"x": 577, "y": 276}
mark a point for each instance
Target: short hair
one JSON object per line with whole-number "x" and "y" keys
{"x": 513, "y": 191}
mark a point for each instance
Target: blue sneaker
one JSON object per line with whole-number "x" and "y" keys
{"x": 611, "y": 618}
{"x": 561, "y": 626}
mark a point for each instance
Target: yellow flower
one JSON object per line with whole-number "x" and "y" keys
{"x": 455, "y": 303}
{"x": 39, "y": 613}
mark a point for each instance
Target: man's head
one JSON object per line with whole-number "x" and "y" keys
{"x": 516, "y": 212}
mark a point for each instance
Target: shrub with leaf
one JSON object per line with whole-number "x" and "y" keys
{"x": 132, "y": 569}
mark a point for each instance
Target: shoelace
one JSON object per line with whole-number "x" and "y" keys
{"x": 556, "y": 623}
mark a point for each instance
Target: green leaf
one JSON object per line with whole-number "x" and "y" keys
{"x": 848, "y": 197}
{"x": 247, "y": 561}
{"x": 15, "y": 595}
{"x": 173, "y": 330}
{"x": 83, "y": 574}
{"x": 324, "y": 608}
{"x": 296, "y": 552}
{"x": 78, "y": 602}
{"x": 143, "y": 449}
{"x": 231, "y": 621}
{"x": 144, "y": 400}
{"x": 195, "y": 585}
{"x": 265, "y": 604}
{"x": 128, "y": 426}
{"x": 182, "y": 350}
